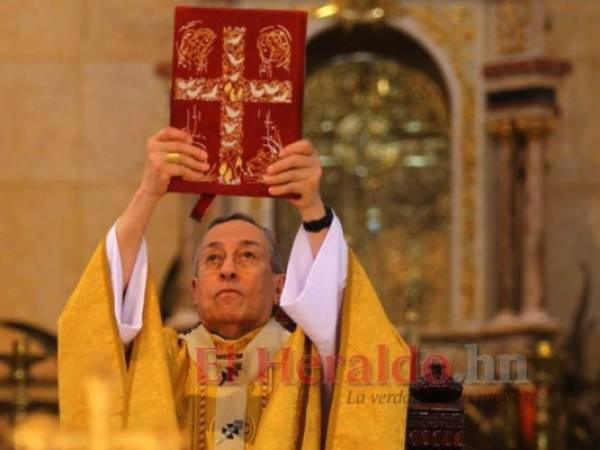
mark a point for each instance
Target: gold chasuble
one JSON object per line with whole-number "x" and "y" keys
{"x": 262, "y": 391}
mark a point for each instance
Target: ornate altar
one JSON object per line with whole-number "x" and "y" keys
{"x": 433, "y": 120}
{"x": 409, "y": 103}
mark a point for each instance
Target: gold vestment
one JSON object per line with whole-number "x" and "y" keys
{"x": 159, "y": 388}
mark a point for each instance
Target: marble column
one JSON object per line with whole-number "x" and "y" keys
{"x": 503, "y": 132}
{"x": 536, "y": 131}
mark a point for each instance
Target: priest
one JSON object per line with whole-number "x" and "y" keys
{"x": 338, "y": 379}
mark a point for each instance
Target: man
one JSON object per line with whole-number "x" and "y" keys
{"x": 239, "y": 380}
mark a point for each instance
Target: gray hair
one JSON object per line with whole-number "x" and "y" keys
{"x": 276, "y": 263}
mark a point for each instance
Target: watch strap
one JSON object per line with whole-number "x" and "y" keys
{"x": 314, "y": 226}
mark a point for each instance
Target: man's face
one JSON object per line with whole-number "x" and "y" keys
{"x": 235, "y": 287}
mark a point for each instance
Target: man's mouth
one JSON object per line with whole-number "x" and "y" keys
{"x": 228, "y": 291}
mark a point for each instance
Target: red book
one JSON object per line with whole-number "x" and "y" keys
{"x": 237, "y": 86}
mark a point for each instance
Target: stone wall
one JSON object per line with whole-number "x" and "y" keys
{"x": 573, "y": 183}
{"x": 79, "y": 98}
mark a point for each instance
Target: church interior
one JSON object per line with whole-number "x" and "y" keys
{"x": 457, "y": 139}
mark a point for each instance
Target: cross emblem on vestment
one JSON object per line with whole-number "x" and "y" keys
{"x": 232, "y": 90}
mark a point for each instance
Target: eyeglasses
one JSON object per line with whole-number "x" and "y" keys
{"x": 213, "y": 260}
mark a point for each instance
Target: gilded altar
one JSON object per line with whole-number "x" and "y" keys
{"x": 433, "y": 120}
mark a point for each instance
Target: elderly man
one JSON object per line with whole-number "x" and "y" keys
{"x": 240, "y": 379}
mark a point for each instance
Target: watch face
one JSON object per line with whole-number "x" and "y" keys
{"x": 381, "y": 128}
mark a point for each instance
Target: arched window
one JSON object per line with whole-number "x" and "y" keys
{"x": 377, "y": 109}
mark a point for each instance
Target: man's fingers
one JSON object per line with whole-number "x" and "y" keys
{"x": 173, "y": 134}
{"x": 288, "y": 176}
{"x": 183, "y": 149}
{"x": 302, "y": 147}
{"x": 284, "y": 189}
{"x": 193, "y": 164}
{"x": 176, "y": 170}
{"x": 290, "y": 162}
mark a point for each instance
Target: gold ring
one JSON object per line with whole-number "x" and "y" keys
{"x": 174, "y": 158}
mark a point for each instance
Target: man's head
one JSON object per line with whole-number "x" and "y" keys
{"x": 238, "y": 276}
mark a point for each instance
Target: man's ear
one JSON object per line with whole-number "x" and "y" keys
{"x": 194, "y": 286}
{"x": 279, "y": 283}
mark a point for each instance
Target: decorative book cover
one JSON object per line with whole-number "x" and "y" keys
{"x": 237, "y": 86}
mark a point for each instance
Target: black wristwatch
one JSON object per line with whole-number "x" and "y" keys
{"x": 314, "y": 226}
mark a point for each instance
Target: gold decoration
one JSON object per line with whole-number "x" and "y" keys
{"x": 232, "y": 90}
{"x": 43, "y": 433}
{"x": 501, "y": 129}
{"x": 382, "y": 129}
{"x": 545, "y": 378}
{"x": 268, "y": 153}
{"x": 20, "y": 377}
{"x": 512, "y": 22}
{"x": 195, "y": 46}
{"x": 274, "y": 46}
{"x": 358, "y": 11}
{"x": 452, "y": 27}
{"x": 536, "y": 126}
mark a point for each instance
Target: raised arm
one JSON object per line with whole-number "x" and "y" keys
{"x": 298, "y": 172}
{"x": 317, "y": 267}
{"x": 169, "y": 153}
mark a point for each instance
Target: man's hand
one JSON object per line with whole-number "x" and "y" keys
{"x": 192, "y": 164}
{"x": 298, "y": 171}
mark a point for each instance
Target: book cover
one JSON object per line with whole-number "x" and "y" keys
{"x": 237, "y": 86}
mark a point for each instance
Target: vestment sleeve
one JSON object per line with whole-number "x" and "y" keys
{"x": 90, "y": 347}
{"x": 314, "y": 287}
{"x": 129, "y": 304}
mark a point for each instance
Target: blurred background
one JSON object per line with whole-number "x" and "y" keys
{"x": 459, "y": 141}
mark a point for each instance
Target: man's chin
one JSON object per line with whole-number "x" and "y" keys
{"x": 230, "y": 313}
{"x": 230, "y": 318}
{"x": 229, "y": 325}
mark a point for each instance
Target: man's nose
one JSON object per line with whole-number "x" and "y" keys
{"x": 228, "y": 269}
